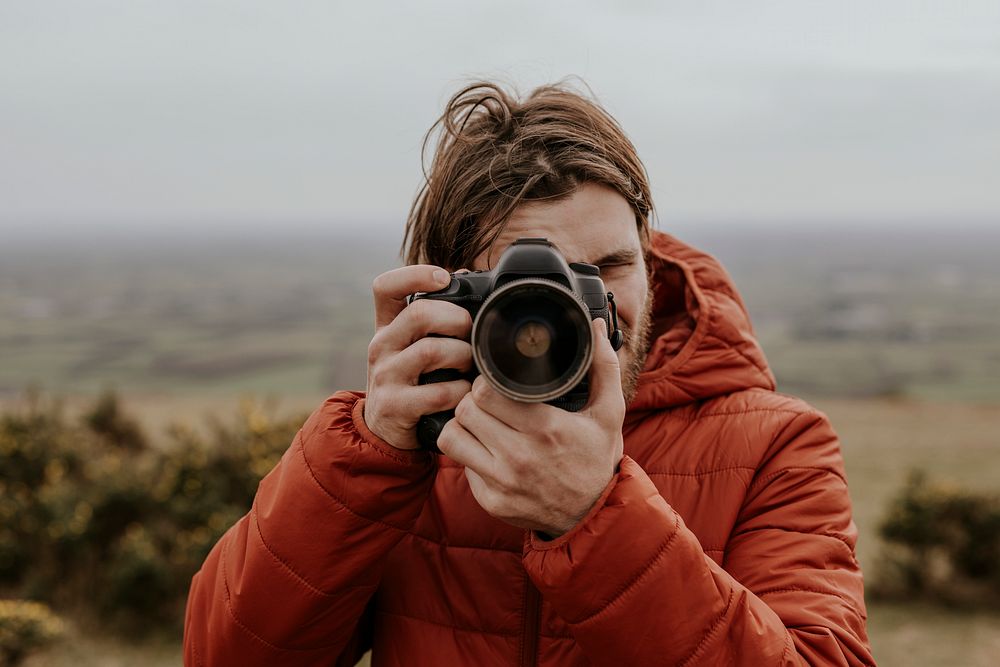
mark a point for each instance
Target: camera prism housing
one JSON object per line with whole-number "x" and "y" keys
{"x": 531, "y": 335}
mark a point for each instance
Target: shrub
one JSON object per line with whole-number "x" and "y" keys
{"x": 25, "y": 627}
{"x": 106, "y": 418}
{"x": 95, "y": 520}
{"x": 943, "y": 543}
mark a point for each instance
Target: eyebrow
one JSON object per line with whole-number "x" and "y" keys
{"x": 621, "y": 256}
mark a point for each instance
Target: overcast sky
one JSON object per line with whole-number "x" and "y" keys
{"x": 142, "y": 114}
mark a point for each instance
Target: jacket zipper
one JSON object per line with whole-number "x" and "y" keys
{"x": 532, "y": 621}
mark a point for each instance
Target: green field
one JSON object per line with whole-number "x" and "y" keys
{"x": 867, "y": 315}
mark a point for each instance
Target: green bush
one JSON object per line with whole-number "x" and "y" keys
{"x": 107, "y": 419}
{"x": 942, "y": 543}
{"x": 95, "y": 520}
{"x": 25, "y": 627}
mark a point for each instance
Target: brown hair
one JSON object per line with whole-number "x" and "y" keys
{"x": 495, "y": 152}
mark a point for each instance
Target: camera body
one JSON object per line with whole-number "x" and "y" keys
{"x": 531, "y": 328}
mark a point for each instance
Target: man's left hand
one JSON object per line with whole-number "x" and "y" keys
{"x": 534, "y": 465}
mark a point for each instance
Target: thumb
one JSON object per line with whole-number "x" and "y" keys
{"x": 605, "y": 371}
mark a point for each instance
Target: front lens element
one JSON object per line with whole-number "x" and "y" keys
{"x": 531, "y": 340}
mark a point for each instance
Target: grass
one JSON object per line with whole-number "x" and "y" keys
{"x": 959, "y": 443}
{"x": 926, "y": 636}
{"x": 80, "y": 649}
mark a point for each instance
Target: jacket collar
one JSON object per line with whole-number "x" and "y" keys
{"x": 702, "y": 344}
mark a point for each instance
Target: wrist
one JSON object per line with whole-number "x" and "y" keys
{"x": 376, "y": 434}
{"x": 377, "y": 441}
{"x": 555, "y": 532}
{"x": 539, "y": 539}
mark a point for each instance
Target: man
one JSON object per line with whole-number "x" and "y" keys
{"x": 707, "y": 523}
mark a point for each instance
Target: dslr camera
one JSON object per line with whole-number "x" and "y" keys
{"x": 531, "y": 337}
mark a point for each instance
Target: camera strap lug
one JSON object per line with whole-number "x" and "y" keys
{"x": 614, "y": 333}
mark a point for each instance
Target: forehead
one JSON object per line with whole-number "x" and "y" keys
{"x": 594, "y": 221}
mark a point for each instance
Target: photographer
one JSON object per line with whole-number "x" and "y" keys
{"x": 687, "y": 514}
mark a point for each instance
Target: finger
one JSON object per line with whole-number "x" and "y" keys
{"x": 461, "y": 446}
{"x": 392, "y": 287}
{"x": 605, "y": 371}
{"x": 426, "y": 399}
{"x": 477, "y": 484}
{"x": 483, "y": 426}
{"x": 419, "y": 320}
{"x": 516, "y": 415}
{"x": 428, "y": 354}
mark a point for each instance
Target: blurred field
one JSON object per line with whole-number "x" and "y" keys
{"x": 897, "y": 339}
{"x": 839, "y": 315}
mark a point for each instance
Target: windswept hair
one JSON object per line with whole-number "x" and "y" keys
{"x": 495, "y": 151}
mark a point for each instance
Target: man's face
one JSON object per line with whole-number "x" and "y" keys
{"x": 594, "y": 225}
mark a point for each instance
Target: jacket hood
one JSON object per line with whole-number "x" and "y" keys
{"x": 702, "y": 343}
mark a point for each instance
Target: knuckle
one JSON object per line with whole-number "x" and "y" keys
{"x": 374, "y": 350}
{"x": 418, "y": 316}
{"x": 379, "y": 285}
{"x": 452, "y": 315}
{"x": 457, "y": 394}
{"x": 458, "y": 391}
{"x": 446, "y": 438}
{"x": 550, "y": 438}
{"x": 382, "y": 375}
{"x": 518, "y": 464}
{"x": 544, "y": 423}
{"x": 480, "y": 390}
{"x": 452, "y": 349}
{"x": 551, "y": 428}
{"x": 440, "y": 398}
{"x": 428, "y": 353}
{"x": 507, "y": 478}
{"x": 462, "y": 410}
{"x": 463, "y": 317}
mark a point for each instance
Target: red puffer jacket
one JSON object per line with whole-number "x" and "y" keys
{"x": 725, "y": 538}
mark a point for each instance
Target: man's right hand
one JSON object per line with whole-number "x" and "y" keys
{"x": 401, "y": 350}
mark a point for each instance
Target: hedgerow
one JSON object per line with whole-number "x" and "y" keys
{"x": 97, "y": 521}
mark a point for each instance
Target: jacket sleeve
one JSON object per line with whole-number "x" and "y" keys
{"x": 637, "y": 589}
{"x": 289, "y": 583}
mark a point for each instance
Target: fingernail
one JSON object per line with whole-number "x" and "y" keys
{"x": 442, "y": 277}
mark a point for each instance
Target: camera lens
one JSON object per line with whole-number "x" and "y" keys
{"x": 531, "y": 340}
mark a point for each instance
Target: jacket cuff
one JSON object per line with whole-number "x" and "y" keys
{"x": 315, "y": 541}
{"x": 369, "y": 477}
{"x": 607, "y": 552}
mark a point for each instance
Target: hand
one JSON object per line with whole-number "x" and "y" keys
{"x": 400, "y": 351}
{"x": 534, "y": 465}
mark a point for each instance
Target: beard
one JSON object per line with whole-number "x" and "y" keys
{"x": 636, "y": 348}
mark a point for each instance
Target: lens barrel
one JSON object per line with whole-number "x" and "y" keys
{"x": 531, "y": 340}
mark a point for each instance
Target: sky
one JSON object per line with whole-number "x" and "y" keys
{"x": 249, "y": 115}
